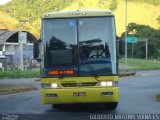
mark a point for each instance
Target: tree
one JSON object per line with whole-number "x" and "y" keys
{"x": 144, "y": 31}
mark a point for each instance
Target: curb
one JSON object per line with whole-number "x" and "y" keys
{"x": 122, "y": 74}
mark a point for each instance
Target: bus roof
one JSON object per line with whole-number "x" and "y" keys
{"x": 77, "y": 13}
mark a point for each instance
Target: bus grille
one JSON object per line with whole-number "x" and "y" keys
{"x": 78, "y": 84}
{"x": 69, "y": 84}
{"x": 89, "y": 84}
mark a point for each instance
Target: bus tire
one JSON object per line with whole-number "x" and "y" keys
{"x": 56, "y": 106}
{"x": 111, "y": 105}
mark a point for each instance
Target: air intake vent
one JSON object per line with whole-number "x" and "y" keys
{"x": 78, "y": 84}
{"x": 89, "y": 84}
{"x": 69, "y": 84}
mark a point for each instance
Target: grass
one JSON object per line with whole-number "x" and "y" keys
{"x": 19, "y": 74}
{"x": 15, "y": 88}
{"x": 158, "y": 97}
{"x": 139, "y": 64}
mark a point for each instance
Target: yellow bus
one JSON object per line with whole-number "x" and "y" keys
{"x": 78, "y": 55}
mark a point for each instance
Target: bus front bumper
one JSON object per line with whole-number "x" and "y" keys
{"x": 80, "y": 95}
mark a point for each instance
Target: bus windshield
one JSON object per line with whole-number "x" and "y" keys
{"x": 79, "y": 46}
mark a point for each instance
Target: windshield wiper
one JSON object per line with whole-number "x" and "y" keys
{"x": 90, "y": 67}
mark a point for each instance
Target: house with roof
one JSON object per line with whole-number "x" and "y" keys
{"x": 10, "y": 47}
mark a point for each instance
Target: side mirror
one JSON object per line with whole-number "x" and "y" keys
{"x": 36, "y": 50}
{"x": 121, "y": 47}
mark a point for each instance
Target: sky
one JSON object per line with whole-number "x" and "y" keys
{"x": 2, "y": 2}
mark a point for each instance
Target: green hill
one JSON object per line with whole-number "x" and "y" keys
{"x": 8, "y": 22}
{"x": 139, "y": 11}
{"x": 30, "y": 10}
{"x": 142, "y": 12}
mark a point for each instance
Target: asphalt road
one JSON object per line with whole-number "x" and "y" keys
{"x": 136, "y": 96}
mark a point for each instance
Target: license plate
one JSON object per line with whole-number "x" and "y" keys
{"x": 79, "y": 94}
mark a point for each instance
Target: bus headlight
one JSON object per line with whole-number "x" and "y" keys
{"x": 49, "y": 85}
{"x": 107, "y": 83}
{"x": 54, "y": 85}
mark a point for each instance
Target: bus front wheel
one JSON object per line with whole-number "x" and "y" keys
{"x": 56, "y": 106}
{"x": 111, "y": 105}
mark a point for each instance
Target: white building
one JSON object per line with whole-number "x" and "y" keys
{"x": 10, "y": 48}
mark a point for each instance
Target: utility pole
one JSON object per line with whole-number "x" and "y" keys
{"x": 126, "y": 35}
{"x": 146, "y": 49}
{"x": 146, "y": 42}
{"x": 21, "y": 43}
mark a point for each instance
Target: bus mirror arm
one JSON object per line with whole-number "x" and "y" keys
{"x": 121, "y": 47}
{"x": 36, "y": 50}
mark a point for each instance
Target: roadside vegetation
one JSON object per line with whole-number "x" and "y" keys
{"x": 138, "y": 64}
{"x": 137, "y": 50}
{"x": 19, "y": 74}
{"x": 15, "y": 88}
{"x": 158, "y": 97}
